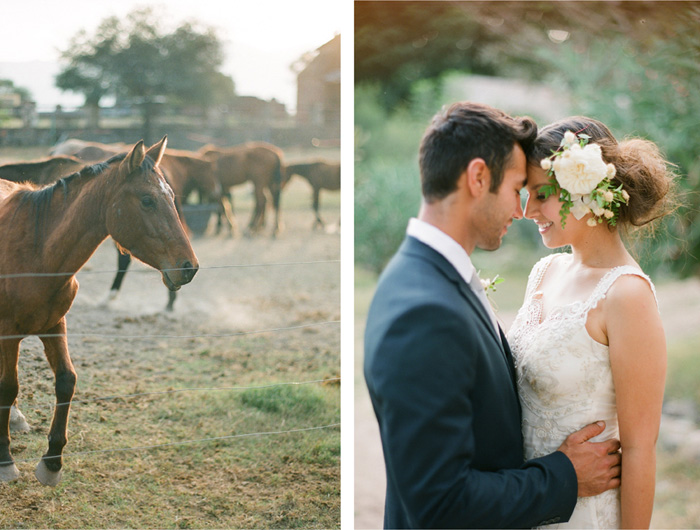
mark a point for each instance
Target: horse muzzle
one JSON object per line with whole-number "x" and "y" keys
{"x": 179, "y": 276}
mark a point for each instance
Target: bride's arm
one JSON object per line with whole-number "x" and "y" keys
{"x": 638, "y": 361}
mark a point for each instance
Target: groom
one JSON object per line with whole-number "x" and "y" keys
{"x": 437, "y": 365}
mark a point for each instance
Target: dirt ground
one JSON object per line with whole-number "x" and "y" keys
{"x": 679, "y": 305}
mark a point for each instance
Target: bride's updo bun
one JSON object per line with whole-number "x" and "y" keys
{"x": 642, "y": 170}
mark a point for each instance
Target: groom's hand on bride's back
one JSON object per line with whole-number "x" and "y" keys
{"x": 597, "y": 464}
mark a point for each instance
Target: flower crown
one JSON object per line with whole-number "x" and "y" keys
{"x": 583, "y": 181}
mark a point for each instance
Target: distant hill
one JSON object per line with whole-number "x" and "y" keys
{"x": 38, "y": 78}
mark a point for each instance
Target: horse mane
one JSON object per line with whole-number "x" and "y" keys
{"x": 39, "y": 198}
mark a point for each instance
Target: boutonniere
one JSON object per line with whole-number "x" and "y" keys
{"x": 490, "y": 284}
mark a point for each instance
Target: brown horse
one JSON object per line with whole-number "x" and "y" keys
{"x": 43, "y": 171}
{"x": 185, "y": 172}
{"x": 321, "y": 175}
{"x": 47, "y": 236}
{"x": 88, "y": 151}
{"x": 258, "y": 162}
{"x": 188, "y": 171}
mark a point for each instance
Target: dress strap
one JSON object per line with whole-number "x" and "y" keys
{"x": 537, "y": 273}
{"x": 610, "y": 277}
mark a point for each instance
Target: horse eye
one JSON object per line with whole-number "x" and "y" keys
{"x": 147, "y": 201}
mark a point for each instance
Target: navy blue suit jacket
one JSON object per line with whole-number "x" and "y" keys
{"x": 443, "y": 389}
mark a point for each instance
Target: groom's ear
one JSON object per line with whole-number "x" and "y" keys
{"x": 476, "y": 178}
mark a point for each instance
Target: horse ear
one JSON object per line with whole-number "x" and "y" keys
{"x": 134, "y": 159}
{"x": 157, "y": 150}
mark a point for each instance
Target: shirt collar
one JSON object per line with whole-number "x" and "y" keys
{"x": 444, "y": 245}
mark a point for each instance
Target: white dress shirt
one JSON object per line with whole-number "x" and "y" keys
{"x": 455, "y": 253}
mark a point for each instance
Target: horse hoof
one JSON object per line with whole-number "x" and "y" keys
{"x": 18, "y": 423}
{"x": 47, "y": 477}
{"x": 9, "y": 473}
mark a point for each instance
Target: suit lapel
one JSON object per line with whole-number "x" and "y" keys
{"x": 413, "y": 246}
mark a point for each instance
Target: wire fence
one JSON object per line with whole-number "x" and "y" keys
{"x": 74, "y": 402}
{"x": 192, "y": 336}
{"x": 151, "y": 271}
{"x": 172, "y": 444}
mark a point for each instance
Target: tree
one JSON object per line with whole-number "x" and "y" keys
{"x": 137, "y": 60}
{"x": 89, "y": 69}
{"x": 8, "y": 88}
{"x": 400, "y": 43}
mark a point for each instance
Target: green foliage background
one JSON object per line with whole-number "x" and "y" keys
{"x": 633, "y": 65}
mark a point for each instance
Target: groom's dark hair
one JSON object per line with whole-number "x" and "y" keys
{"x": 465, "y": 131}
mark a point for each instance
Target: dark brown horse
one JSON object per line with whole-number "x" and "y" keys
{"x": 258, "y": 162}
{"x": 321, "y": 174}
{"x": 47, "y": 236}
{"x": 43, "y": 171}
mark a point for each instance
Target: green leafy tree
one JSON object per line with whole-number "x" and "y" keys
{"x": 138, "y": 61}
{"x": 89, "y": 70}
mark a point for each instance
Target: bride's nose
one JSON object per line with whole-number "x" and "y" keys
{"x": 530, "y": 210}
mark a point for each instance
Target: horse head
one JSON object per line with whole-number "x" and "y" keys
{"x": 142, "y": 219}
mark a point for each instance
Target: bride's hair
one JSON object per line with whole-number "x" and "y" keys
{"x": 640, "y": 167}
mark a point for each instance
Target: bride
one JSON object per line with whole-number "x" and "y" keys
{"x": 588, "y": 342}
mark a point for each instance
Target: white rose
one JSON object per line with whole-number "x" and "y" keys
{"x": 609, "y": 214}
{"x": 611, "y": 171}
{"x": 625, "y": 195}
{"x": 546, "y": 164}
{"x": 580, "y": 170}
{"x": 569, "y": 137}
{"x": 592, "y": 222}
{"x": 608, "y": 196}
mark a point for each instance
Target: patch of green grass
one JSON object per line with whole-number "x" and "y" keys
{"x": 288, "y": 400}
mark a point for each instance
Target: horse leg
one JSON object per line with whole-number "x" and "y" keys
{"x": 226, "y": 210}
{"x": 48, "y": 472}
{"x": 171, "y": 300}
{"x": 123, "y": 261}
{"x": 9, "y": 388}
{"x": 319, "y": 222}
{"x": 257, "y": 220}
{"x": 276, "y": 196}
{"x": 18, "y": 423}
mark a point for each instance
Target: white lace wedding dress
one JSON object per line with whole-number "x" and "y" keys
{"x": 565, "y": 382}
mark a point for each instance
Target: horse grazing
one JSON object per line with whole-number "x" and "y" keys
{"x": 48, "y": 234}
{"x": 321, "y": 175}
{"x": 185, "y": 172}
{"x": 258, "y": 162}
{"x": 88, "y": 151}
{"x": 44, "y": 171}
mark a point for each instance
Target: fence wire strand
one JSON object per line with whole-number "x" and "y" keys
{"x": 152, "y": 270}
{"x": 196, "y": 336}
{"x": 74, "y": 402}
{"x": 171, "y": 444}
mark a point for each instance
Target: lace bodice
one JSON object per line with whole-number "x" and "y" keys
{"x": 565, "y": 381}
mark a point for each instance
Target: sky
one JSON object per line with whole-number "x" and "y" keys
{"x": 261, "y": 38}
